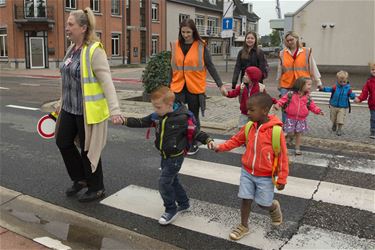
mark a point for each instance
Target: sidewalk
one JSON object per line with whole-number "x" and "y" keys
{"x": 11, "y": 240}
{"x": 222, "y": 113}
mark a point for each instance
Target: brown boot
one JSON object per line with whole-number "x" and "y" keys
{"x": 276, "y": 215}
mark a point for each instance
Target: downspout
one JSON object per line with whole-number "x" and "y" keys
{"x": 123, "y": 2}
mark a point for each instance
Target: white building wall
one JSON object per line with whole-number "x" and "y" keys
{"x": 351, "y": 42}
{"x": 173, "y": 12}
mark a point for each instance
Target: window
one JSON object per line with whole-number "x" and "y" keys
{"x": 94, "y": 5}
{"x": 155, "y": 12}
{"x": 216, "y": 47}
{"x": 115, "y": 7}
{"x": 183, "y": 17}
{"x": 213, "y": 2}
{"x": 70, "y": 4}
{"x": 199, "y": 22}
{"x": 155, "y": 45}
{"x": 212, "y": 25}
{"x": 3, "y": 43}
{"x": 2, "y": 2}
{"x": 99, "y": 35}
{"x": 116, "y": 44}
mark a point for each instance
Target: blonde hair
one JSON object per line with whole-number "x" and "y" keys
{"x": 163, "y": 93}
{"x": 86, "y": 17}
{"x": 293, "y": 34}
{"x": 372, "y": 65}
{"x": 342, "y": 75}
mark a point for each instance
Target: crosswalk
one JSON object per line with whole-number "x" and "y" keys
{"x": 216, "y": 220}
{"x": 324, "y": 97}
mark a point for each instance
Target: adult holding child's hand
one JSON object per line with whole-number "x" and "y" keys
{"x": 190, "y": 62}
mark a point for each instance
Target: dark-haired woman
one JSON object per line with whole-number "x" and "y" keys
{"x": 249, "y": 55}
{"x": 190, "y": 61}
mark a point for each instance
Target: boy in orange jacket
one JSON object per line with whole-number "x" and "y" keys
{"x": 256, "y": 173}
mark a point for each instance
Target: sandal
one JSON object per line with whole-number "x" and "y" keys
{"x": 239, "y": 232}
{"x": 298, "y": 152}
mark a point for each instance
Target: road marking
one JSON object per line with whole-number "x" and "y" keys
{"x": 30, "y": 84}
{"x": 21, "y": 107}
{"x": 321, "y": 160}
{"x": 204, "y": 217}
{"x": 51, "y": 243}
{"x": 4, "y": 88}
{"x": 309, "y": 237}
{"x": 359, "y": 198}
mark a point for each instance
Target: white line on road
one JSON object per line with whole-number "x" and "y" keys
{"x": 359, "y": 198}
{"x": 22, "y": 107}
{"x": 30, "y": 84}
{"x": 207, "y": 218}
{"x": 4, "y": 88}
{"x": 51, "y": 243}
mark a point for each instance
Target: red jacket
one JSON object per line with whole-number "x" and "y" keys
{"x": 254, "y": 88}
{"x": 297, "y": 108}
{"x": 258, "y": 156}
{"x": 369, "y": 91}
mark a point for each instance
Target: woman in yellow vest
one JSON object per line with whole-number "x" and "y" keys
{"x": 295, "y": 61}
{"x": 190, "y": 61}
{"x": 88, "y": 99}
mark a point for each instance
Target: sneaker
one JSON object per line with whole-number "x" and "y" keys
{"x": 193, "y": 149}
{"x": 334, "y": 127}
{"x": 167, "y": 218}
{"x": 239, "y": 232}
{"x": 183, "y": 209}
{"x": 276, "y": 215}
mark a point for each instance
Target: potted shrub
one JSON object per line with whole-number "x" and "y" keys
{"x": 157, "y": 72}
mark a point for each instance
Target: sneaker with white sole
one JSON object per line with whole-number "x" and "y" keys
{"x": 183, "y": 209}
{"x": 193, "y": 149}
{"x": 167, "y": 218}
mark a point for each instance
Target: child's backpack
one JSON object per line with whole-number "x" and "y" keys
{"x": 276, "y": 138}
{"x": 290, "y": 94}
{"x": 190, "y": 133}
{"x": 349, "y": 92}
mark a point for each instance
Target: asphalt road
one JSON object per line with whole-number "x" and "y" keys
{"x": 34, "y": 166}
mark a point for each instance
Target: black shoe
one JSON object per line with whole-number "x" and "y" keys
{"x": 334, "y": 127}
{"x": 193, "y": 149}
{"x": 73, "y": 190}
{"x": 91, "y": 196}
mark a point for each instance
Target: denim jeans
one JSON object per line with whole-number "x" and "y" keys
{"x": 283, "y": 91}
{"x": 372, "y": 121}
{"x": 170, "y": 189}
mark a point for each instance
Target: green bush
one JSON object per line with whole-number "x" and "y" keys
{"x": 157, "y": 71}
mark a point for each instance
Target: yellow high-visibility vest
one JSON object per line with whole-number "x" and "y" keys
{"x": 95, "y": 103}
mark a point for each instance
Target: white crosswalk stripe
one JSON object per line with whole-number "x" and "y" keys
{"x": 324, "y": 97}
{"x": 218, "y": 220}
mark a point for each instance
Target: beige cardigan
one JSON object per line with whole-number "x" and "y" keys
{"x": 96, "y": 134}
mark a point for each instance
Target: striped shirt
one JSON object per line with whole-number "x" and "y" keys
{"x": 72, "y": 98}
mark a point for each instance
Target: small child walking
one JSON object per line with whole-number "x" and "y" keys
{"x": 256, "y": 181}
{"x": 248, "y": 87}
{"x": 297, "y": 104}
{"x": 368, "y": 92}
{"x": 171, "y": 122}
{"x": 341, "y": 92}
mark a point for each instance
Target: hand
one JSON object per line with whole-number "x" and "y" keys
{"x": 276, "y": 106}
{"x": 356, "y": 100}
{"x": 280, "y": 186}
{"x": 242, "y": 86}
{"x": 320, "y": 87}
{"x": 117, "y": 119}
{"x": 211, "y": 145}
{"x": 321, "y": 113}
{"x": 223, "y": 91}
{"x": 234, "y": 85}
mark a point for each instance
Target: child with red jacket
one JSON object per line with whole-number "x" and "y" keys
{"x": 256, "y": 174}
{"x": 297, "y": 104}
{"x": 248, "y": 87}
{"x": 368, "y": 91}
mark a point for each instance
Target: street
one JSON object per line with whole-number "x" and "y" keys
{"x": 328, "y": 202}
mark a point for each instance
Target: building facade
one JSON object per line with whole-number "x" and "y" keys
{"x": 207, "y": 15}
{"x": 343, "y": 35}
{"x": 32, "y": 32}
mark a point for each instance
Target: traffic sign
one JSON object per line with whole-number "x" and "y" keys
{"x": 227, "y": 23}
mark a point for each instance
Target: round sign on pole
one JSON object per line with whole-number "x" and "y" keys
{"x": 46, "y": 127}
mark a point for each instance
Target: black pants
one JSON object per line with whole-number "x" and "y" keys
{"x": 77, "y": 164}
{"x": 192, "y": 100}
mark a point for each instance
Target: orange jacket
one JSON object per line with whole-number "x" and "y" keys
{"x": 258, "y": 156}
{"x": 189, "y": 69}
{"x": 293, "y": 69}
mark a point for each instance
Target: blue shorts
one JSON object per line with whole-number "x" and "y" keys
{"x": 257, "y": 188}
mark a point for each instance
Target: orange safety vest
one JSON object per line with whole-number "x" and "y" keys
{"x": 293, "y": 69}
{"x": 189, "y": 69}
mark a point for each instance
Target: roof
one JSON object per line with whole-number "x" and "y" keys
{"x": 301, "y": 8}
{"x": 239, "y": 8}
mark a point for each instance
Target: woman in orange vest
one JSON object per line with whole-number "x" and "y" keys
{"x": 189, "y": 62}
{"x": 295, "y": 61}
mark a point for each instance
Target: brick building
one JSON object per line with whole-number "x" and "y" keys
{"x": 32, "y": 32}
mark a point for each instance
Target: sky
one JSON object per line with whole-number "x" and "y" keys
{"x": 266, "y": 10}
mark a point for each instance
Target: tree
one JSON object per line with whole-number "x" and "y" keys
{"x": 275, "y": 38}
{"x": 157, "y": 71}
